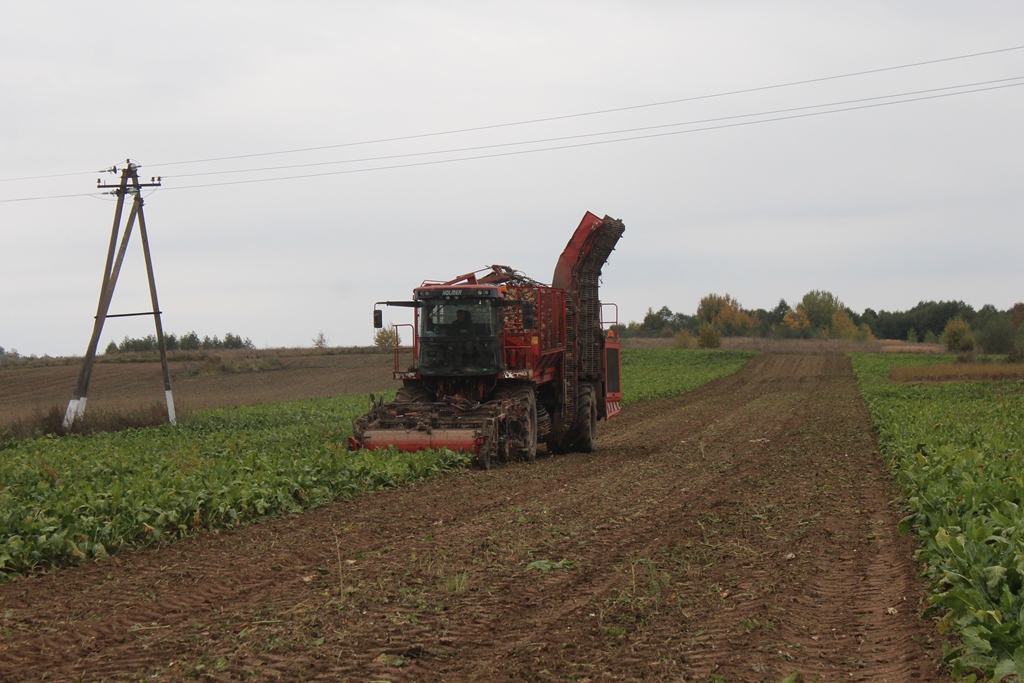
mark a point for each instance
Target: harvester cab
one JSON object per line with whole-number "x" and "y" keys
{"x": 459, "y": 331}
{"x": 501, "y": 362}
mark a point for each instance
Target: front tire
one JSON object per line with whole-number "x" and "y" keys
{"x": 523, "y": 431}
{"x": 414, "y": 392}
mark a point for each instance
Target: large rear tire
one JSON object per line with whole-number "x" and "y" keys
{"x": 528, "y": 396}
{"x": 583, "y": 436}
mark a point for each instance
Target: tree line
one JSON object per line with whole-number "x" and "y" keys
{"x": 186, "y": 342}
{"x": 822, "y": 315}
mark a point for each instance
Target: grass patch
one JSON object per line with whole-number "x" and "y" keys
{"x": 51, "y": 422}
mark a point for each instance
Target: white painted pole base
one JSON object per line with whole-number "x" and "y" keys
{"x": 170, "y": 407}
{"x": 69, "y": 414}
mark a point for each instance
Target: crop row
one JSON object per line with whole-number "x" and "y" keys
{"x": 66, "y": 500}
{"x": 74, "y": 498}
{"x": 957, "y": 452}
{"x": 658, "y": 373}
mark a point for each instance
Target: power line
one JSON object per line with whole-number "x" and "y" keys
{"x": 561, "y": 138}
{"x": 580, "y": 144}
{"x": 510, "y": 124}
{"x": 597, "y": 112}
{"x": 52, "y": 196}
{"x": 111, "y": 169}
{"x": 588, "y": 144}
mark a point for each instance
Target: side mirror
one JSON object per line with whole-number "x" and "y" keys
{"x": 378, "y": 318}
{"x": 528, "y": 315}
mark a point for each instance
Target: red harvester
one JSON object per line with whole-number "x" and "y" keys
{"x": 502, "y": 362}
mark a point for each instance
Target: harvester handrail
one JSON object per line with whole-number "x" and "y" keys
{"x": 612, "y": 322}
{"x": 399, "y": 348}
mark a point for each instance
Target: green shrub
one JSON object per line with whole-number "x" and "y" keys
{"x": 708, "y": 336}
{"x": 957, "y": 336}
{"x": 684, "y": 340}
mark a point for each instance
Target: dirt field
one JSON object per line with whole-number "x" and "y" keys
{"x": 742, "y": 532}
{"x": 33, "y": 387}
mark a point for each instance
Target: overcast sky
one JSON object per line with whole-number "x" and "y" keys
{"x": 883, "y": 206}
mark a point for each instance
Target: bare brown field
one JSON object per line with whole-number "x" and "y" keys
{"x": 227, "y": 378}
{"x": 199, "y": 380}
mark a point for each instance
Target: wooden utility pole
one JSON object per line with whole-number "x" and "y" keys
{"x": 129, "y": 185}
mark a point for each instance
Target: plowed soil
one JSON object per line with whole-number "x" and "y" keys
{"x": 742, "y": 532}
{"x": 123, "y": 386}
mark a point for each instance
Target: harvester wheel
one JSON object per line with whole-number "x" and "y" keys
{"x": 528, "y": 396}
{"x": 414, "y": 392}
{"x": 586, "y": 420}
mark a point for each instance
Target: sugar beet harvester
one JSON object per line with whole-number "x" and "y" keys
{"x": 502, "y": 362}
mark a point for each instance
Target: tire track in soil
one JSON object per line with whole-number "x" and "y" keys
{"x": 743, "y": 530}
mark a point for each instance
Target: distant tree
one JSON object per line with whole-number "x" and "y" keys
{"x": 771, "y": 320}
{"x": 957, "y": 336}
{"x": 797, "y": 322}
{"x": 870, "y": 318}
{"x": 912, "y": 336}
{"x": 655, "y": 322}
{"x": 1017, "y": 314}
{"x": 984, "y": 316}
{"x": 111, "y": 348}
{"x": 386, "y": 338}
{"x": 997, "y": 336}
{"x": 141, "y": 345}
{"x": 190, "y": 342}
{"x": 682, "y": 321}
{"x": 735, "y": 322}
{"x": 842, "y": 326}
{"x": 320, "y": 340}
{"x": 725, "y": 313}
{"x": 234, "y": 341}
{"x": 820, "y": 306}
{"x": 924, "y": 317}
{"x": 1016, "y": 354}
